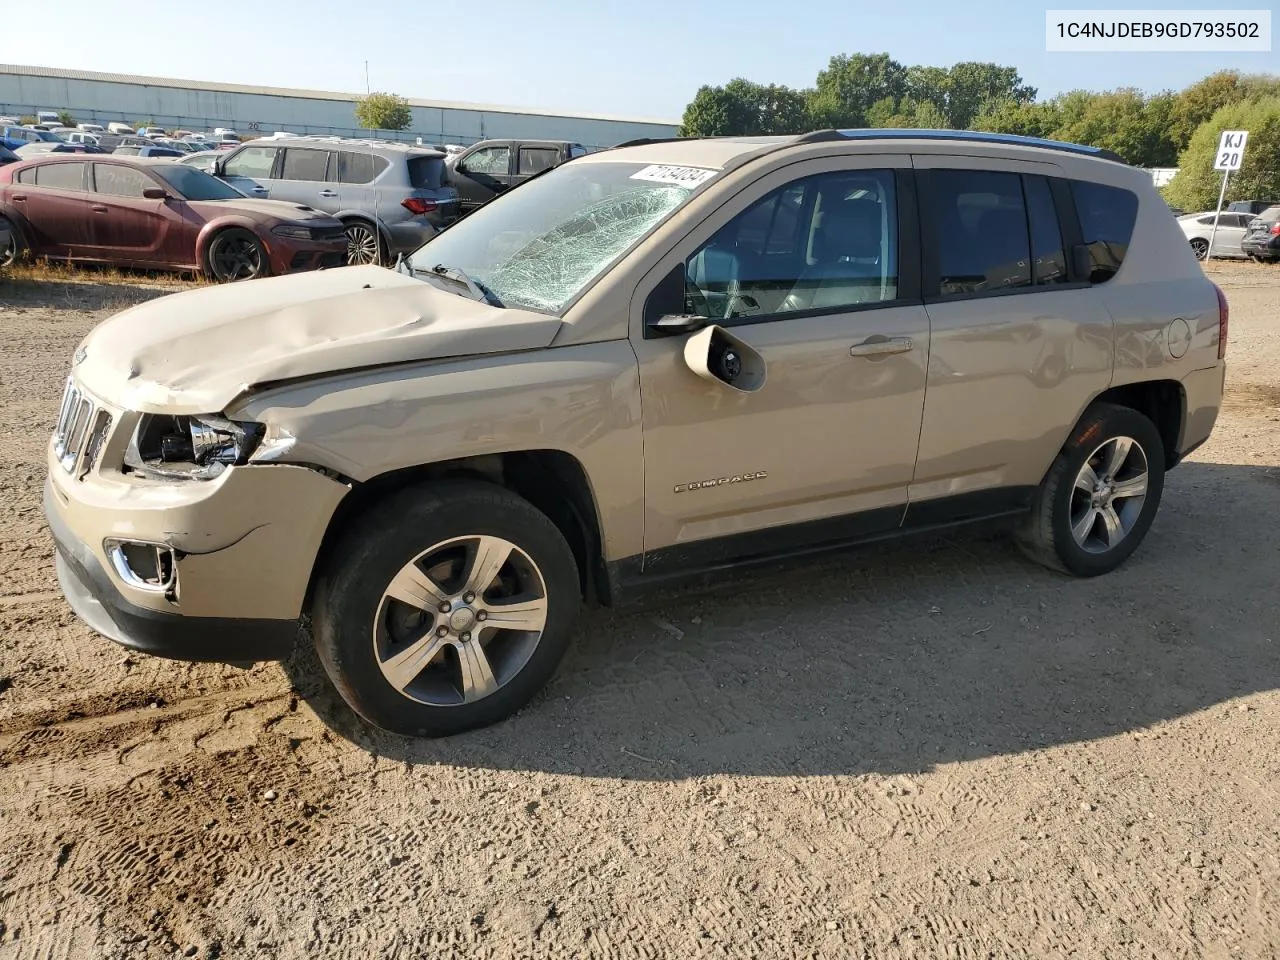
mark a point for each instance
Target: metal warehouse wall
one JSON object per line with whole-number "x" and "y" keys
{"x": 101, "y": 98}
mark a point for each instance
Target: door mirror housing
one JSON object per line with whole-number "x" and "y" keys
{"x": 676, "y": 323}
{"x": 155, "y": 193}
{"x": 717, "y": 355}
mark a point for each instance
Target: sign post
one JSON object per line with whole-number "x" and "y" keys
{"x": 1229, "y": 157}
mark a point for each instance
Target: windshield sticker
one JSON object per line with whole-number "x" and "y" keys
{"x": 679, "y": 176}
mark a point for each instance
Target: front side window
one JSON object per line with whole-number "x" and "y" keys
{"x": 1107, "y": 215}
{"x": 252, "y": 162}
{"x": 981, "y": 227}
{"x": 537, "y": 159}
{"x": 119, "y": 181}
{"x": 826, "y": 242}
{"x": 61, "y": 176}
{"x": 494, "y": 161}
{"x": 304, "y": 164}
{"x": 541, "y": 244}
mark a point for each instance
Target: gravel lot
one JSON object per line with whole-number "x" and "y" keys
{"x": 928, "y": 750}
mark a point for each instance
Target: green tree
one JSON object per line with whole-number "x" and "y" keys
{"x": 1023, "y": 119}
{"x": 743, "y": 108}
{"x": 852, "y": 84}
{"x": 65, "y": 118}
{"x": 973, "y": 87}
{"x": 1125, "y": 121}
{"x": 1198, "y": 102}
{"x": 1197, "y": 183}
{"x": 928, "y": 85}
{"x": 384, "y": 111}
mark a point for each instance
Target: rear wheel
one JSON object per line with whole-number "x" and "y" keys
{"x": 446, "y": 607}
{"x": 1100, "y": 496}
{"x": 1200, "y": 248}
{"x": 236, "y": 254}
{"x": 12, "y": 250}
{"x": 363, "y": 244}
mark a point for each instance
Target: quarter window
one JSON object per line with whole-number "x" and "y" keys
{"x": 1107, "y": 215}
{"x": 252, "y": 162}
{"x": 826, "y": 242}
{"x": 981, "y": 223}
{"x": 61, "y": 176}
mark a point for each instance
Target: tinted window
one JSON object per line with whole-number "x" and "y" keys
{"x": 1048, "y": 260}
{"x": 981, "y": 227}
{"x": 359, "y": 167}
{"x": 121, "y": 181}
{"x": 1107, "y": 215}
{"x": 26, "y": 176}
{"x": 61, "y": 176}
{"x": 537, "y": 159}
{"x": 195, "y": 184}
{"x": 253, "y": 162}
{"x": 495, "y": 161}
{"x": 304, "y": 164}
{"x": 821, "y": 243}
{"x": 426, "y": 173}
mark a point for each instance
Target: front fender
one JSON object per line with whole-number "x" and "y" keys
{"x": 222, "y": 223}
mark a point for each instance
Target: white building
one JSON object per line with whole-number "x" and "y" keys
{"x": 1161, "y": 175}
{"x": 195, "y": 105}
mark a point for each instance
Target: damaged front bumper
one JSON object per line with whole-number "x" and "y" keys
{"x": 232, "y": 556}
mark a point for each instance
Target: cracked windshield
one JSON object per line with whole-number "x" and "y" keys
{"x": 542, "y": 245}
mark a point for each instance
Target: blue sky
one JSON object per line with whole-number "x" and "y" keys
{"x": 642, "y": 58}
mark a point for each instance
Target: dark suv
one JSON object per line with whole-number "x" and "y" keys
{"x": 1250, "y": 206}
{"x": 1262, "y": 237}
{"x": 491, "y": 167}
{"x": 391, "y": 197}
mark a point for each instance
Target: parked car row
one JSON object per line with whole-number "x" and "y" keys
{"x": 1244, "y": 230}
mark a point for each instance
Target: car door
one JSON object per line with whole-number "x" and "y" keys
{"x": 481, "y": 174}
{"x": 353, "y": 185}
{"x": 1231, "y": 230}
{"x": 252, "y": 170}
{"x": 130, "y": 227}
{"x": 303, "y": 179}
{"x": 1017, "y": 339}
{"x": 52, "y": 198}
{"x": 814, "y": 268}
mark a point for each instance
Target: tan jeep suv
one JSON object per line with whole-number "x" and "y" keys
{"x": 650, "y": 361}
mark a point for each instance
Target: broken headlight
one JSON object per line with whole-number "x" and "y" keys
{"x": 190, "y": 447}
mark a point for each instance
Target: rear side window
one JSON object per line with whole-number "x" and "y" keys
{"x": 537, "y": 159}
{"x": 1048, "y": 259}
{"x": 981, "y": 222}
{"x": 1107, "y": 215}
{"x": 61, "y": 176}
{"x": 304, "y": 164}
{"x": 426, "y": 173}
{"x": 356, "y": 167}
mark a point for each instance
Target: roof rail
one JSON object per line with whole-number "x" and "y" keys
{"x": 973, "y": 136}
{"x": 645, "y": 141}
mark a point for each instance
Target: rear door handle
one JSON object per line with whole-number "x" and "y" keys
{"x": 881, "y": 348}
{"x": 329, "y": 194}
{"x": 19, "y": 197}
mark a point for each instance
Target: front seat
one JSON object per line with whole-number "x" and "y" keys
{"x": 847, "y": 248}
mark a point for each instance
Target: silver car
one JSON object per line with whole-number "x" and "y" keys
{"x": 391, "y": 197}
{"x": 1226, "y": 242}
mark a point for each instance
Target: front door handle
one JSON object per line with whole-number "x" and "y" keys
{"x": 881, "y": 348}
{"x": 329, "y": 194}
{"x": 98, "y": 208}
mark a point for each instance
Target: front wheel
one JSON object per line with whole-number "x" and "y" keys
{"x": 1200, "y": 248}
{"x": 236, "y": 254}
{"x": 1100, "y": 496}
{"x": 445, "y": 607}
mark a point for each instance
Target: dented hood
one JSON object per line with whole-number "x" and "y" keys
{"x": 195, "y": 352}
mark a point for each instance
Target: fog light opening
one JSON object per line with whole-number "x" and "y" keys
{"x": 143, "y": 565}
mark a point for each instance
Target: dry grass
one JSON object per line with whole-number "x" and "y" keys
{"x": 64, "y": 272}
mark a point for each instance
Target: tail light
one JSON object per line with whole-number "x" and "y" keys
{"x": 1224, "y": 313}
{"x": 1275, "y": 229}
{"x": 417, "y": 206}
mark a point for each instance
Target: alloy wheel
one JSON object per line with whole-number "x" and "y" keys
{"x": 1200, "y": 248}
{"x": 1108, "y": 495}
{"x": 362, "y": 244}
{"x": 236, "y": 257}
{"x": 460, "y": 620}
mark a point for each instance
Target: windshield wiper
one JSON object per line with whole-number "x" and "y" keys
{"x": 478, "y": 291}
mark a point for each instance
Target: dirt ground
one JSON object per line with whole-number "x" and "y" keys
{"x": 928, "y": 750}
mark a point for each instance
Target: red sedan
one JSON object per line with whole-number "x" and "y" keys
{"x": 157, "y": 214}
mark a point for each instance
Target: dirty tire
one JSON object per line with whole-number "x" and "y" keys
{"x": 349, "y": 598}
{"x": 236, "y": 254}
{"x": 12, "y": 252}
{"x": 1046, "y": 536}
{"x": 1200, "y": 248}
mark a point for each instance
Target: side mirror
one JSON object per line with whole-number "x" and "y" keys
{"x": 717, "y": 355}
{"x": 677, "y": 323}
{"x": 155, "y": 193}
